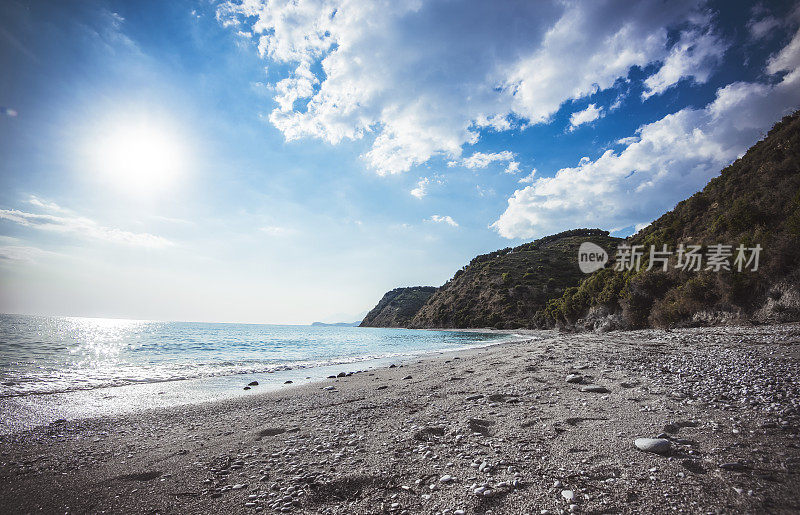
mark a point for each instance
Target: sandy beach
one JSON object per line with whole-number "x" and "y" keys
{"x": 492, "y": 430}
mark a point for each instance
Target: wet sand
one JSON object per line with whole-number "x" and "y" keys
{"x": 497, "y": 429}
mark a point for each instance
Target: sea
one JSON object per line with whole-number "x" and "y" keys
{"x": 66, "y": 366}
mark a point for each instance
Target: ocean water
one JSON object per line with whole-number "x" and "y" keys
{"x": 41, "y": 355}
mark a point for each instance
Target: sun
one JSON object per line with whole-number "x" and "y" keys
{"x": 140, "y": 156}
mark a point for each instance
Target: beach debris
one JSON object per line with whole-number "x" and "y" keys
{"x": 253, "y": 383}
{"x": 246, "y": 388}
{"x": 288, "y": 382}
{"x": 574, "y": 378}
{"x": 654, "y": 445}
{"x": 407, "y": 377}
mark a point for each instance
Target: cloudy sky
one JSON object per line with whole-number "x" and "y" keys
{"x": 290, "y": 161}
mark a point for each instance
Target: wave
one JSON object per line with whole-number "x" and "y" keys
{"x": 37, "y": 381}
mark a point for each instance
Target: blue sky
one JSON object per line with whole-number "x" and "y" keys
{"x": 288, "y": 162}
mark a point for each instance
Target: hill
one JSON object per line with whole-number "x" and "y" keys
{"x": 398, "y": 306}
{"x": 505, "y": 288}
{"x": 754, "y": 201}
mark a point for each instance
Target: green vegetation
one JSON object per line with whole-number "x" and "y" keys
{"x": 505, "y": 288}
{"x": 398, "y": 306}
{"x": 754, "y": 200}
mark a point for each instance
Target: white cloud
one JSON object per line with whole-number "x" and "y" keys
{"x": 512, "y": 168}
{"x": 695, "y": 55}
{"x": 528, "y": 178}
{"x": 421, "y": 189}
{"x": 484, "y": 192}
{"x": 21, "y": 253}
{"x": 665, "y": 162}
{"x": 443, "y": 220}
{"x": 82, "y": 227}
{"x": 422, "y": 79}
{"x": 590, "y": 114}
{"x": 787, "y": 60}
{"x": 482, "y": 160}
{"x": 45, "y": 204}
{"x": 424, "y": 182}
{"x": 763, "y": 27}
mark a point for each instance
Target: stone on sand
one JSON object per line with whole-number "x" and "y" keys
{"x": 595, "y": 389}
{"x": 655, "y": 445}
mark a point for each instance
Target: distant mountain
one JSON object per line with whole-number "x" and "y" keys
{"x": 398, "y": 306}
{"x": 755, "y": 200}
{"x": 505, "y": 288}
{"x": 336, "y": 324}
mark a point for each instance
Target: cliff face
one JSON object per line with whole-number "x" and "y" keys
{"x": 398, "y": 306}
{"x": 504, "y": 289}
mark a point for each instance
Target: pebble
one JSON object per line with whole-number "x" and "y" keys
{"x": 655, "y": 445}
{"x": 574, "y": 378}
{"x": 568, "y": 495}
{"x": 595, "y": 389}
{"x": 446, "y": 478}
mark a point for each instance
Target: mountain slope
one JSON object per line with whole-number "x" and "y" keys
{"x": 755, "y": 200}
{"x": 398, "y": 306}
{"x": 505, "y": 288}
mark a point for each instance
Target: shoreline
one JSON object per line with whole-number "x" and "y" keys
{"x": 499, "y": 419}
{"x": 28, "y": 411}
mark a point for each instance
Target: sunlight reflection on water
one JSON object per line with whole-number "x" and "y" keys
{"x": 56, "y": 354}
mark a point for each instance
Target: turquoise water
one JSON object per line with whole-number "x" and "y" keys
{"x": 62, "y": 354}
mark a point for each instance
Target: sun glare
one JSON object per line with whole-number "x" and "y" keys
{"x": 140, "y": 157}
